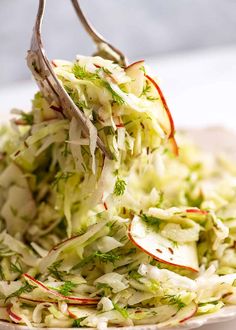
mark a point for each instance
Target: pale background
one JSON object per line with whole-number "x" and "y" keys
{"x": 141, "y": 28}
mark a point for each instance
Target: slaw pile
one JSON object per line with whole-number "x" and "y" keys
{"x": 145, "y": 238}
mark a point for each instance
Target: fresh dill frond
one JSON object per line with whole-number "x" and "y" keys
{"x": 16, "y": 267}
{"x": 119, "y": 188}
{"x": 152, "y": 98}
{"x": 67, "y": 288}
{"x": 98, "y": 256}
{"x": 61, "y": 176}
{"x": 142, "y": 68}
{"x": 146, "y": 89}
{"x": 116, "y": 97}
{"x": 174, "y": 300}
{"x": 27, "y": 118}
{"x": 81, "y": 73}
{"x": 77, "y": 322}
{"x": 106, "y": 257}
{"x": 150, "y": 220}
{"x": 55, "y": 272}
{"x": 26, "y": 288}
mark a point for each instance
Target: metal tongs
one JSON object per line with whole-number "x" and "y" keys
{"x": 50, "y": 86}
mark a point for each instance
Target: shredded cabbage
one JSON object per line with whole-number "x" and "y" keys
{"x": 85, "y": 241}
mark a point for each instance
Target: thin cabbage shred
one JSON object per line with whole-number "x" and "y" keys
{"x": 145, "y": 238}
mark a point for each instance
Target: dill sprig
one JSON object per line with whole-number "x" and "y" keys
{"x": 146, "y": 89}
{"x": 27, "y": 118}
{"x": 150, "y": 220}
{"x": 119, "y": 188}
{"x": 55, "y": 272}
{"x": 67, "y": 288}
{"x": 26, "y": 288}
{"x": 81, "y": 73}
{"x": 102, "y": 257}
{"x": 174, "y": 300}
{"x": 16, "y": 267}
{"x": 61, "y": 176}
{"x": 77, "y": 322}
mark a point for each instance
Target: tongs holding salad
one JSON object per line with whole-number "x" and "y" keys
{"x": 48, "y": 82}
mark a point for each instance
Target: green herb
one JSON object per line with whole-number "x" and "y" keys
{"x": 146, "y": 89}
{"x": 150, "y": 220}
{"x": 107, "y": 257}
{"x": 116, "y": 97}
{"x": 16, "y": 267}
{"x": 61, "y": 176}
{"x": 142, "y": 68}
{"x": 67, "y": 288}
{"x": 102, "y": 257}
{"x": 121, "y": 310}
{"x": 152, "y": 98}
{"x": 77, "y": 322}
{"x": 119, "y": 188}
{"x": 174, "y": 300}
{"x": 81, "y": 73}
{"x": 54, "y": 270}
{"x": 26, "y": 288}
{"x": 28, "y": 118}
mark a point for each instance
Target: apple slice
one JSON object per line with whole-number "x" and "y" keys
{"x": 161, "y": 248}
{"x": 13, "y": 316}
{"x": 135, "y": 72}
{"x": 182, "y": 316}
{"x": 36, "y": 301}
{"x": 167, "y": 121}
{"x": 197, "y": 211}
{"x": 69, "y": 299}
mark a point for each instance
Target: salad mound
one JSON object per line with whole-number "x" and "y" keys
{"x": 147, "y": 237}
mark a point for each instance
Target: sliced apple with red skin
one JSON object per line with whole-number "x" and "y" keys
{"x": 136, "y": 73}
{"x": 161, "y": 248}
{"x": 182, "y": 316}
{"x": 13, "y": 316}
{"x": 197, "y": 211}
{"x": 69, "y": 299}
{"x": 36, "y": 301}
{"x": 166, "y": 119}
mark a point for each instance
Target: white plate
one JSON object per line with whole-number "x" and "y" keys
{"x": 214, "y": 139}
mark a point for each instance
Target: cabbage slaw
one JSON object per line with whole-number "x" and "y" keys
{"x": 145, "y": 238}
